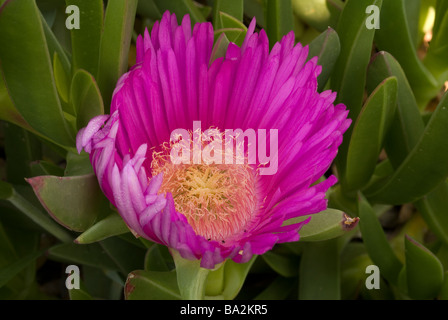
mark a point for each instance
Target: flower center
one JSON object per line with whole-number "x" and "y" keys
{"x": 218, "y": 200}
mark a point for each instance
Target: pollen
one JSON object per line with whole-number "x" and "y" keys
{"x": 218, "y": 200}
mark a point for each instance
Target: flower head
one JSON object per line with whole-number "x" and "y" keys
{"x": 230, "y": 192}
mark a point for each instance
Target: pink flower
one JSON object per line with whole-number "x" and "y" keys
{"x": 215, "y": 212}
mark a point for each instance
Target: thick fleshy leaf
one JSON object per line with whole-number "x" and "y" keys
{"x": 443, "y": 295}
{"x": 279, "y": 289}
{"x": 148, "y": 9}
{"x": 191, "y": 277}
{"x": 85, "y": 97}
{"x": 234, "y": 29}
{"x": 39, "y": 104}
{"x": 102, "y": 283}
{"x": 151, "y": 285}
{"x": 61, "y": 78}
{"x": 328, "y": 224}
{"x": 255, "y": 8}
{"x": 424, "y": 272}
{"x": 349, "y": 74}
{"x": 181, "y": 8}
{"x": 8, "y": 111}
{"x": 369, "y": 133}
{"x": 319, "y": 272}
{"x": 433, "y": 208}
{"x": 8, "y": 193}
{"x": 8, "y": 272}
{"x": 394, "y": 37}
{"x": 412, "y": 14}
{"x": 74, "y": 202}
{"x": 407, "y": 126}
{"x": 78, "y": 164}
{"x": 88, "y": 254}
{"x": 318, "y": 14}
{"x": 234, "y": 276}
{"x": 423, "y": 169}
{"x": 126, "y": 255}
{"x": 158, "y": 258}
{"x": 21, "y": 148}
{"x": 112, "y": 225}
{"x": 43, "y": 168}
{"x": 220, "y": 47}
{"x": 55, "y": 47}
{"x": 279, "y": 19}
{"x": 19, "y": 249}
{"x": 285, "y": 265}
{"x": 327, "y": 47}
{"x": 234, "y": 35}
{"x": 233, "y": 8}
{"x": 79, "y": 294}
{"x": 86, "y": 39}
{"x": 435, "y": 60}
{"x": 115, "y": 43}
{"x": 376, "y": 242}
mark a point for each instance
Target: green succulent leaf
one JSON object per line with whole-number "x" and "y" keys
{"x": 279, "y": 289}
{"x": 191, "y": 277}
{"x": 232, "y": 8}
{"x": 220, "y": 47}
{"x": 74, "y": 202}
{"x": 89, "y": 254}
{"x": 115, "y": 43}
{"x": 349, "y": 74}
{"x": 325, "y": 225}
{"x": 43, "y": 168}
{"x": 376, "y": 242}
{"x": 10, "y": 271}
{"x": 61, "y": 79}
{"x": 234, "y": 30}
{"x": 8, "y": 193}
{"x": 26, "y": 63}
{"x": 181, "y": 8}
{"x": 79, "y": 294}
{"x": 424, "y": 272}
{"x": 86, "y": 39}
{"x": 21, "y": 149}
{"x": 369, "y": 133}
{"x": 85, "y": 97}
{"x": 318, "y": 14}
{"x": 423, "y": 169}
{"x": 148, "y": 9}
{"x": 407, "y": 126}
{"x": 234, "y": 276}
{"x": 158, "y": 258}
{"x": 319, "y": 272}
{"x": 112, "y": 225}
{"x": 126, "y": 255}
{"x": 433, "y": 208}
{"x": 285, "y": 265}
{"x": 279, "y": 19}
{"x": 78, "y": 164}
{"x": 151, "y": 285}
{"x": 327, "y": 48}
{"x": 255, "y": 8}
{"x": 443, "y": 295}
{"x": 395, "y": 38}
{"x": 435, "y": 59}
